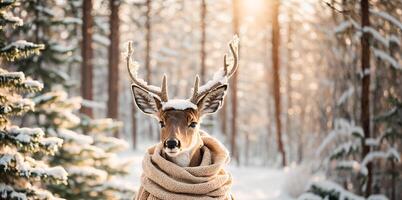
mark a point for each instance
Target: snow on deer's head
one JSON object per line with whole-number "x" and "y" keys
{"x": 179, "y": 118}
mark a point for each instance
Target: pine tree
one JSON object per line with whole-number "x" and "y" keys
{"x": 18, "y": 169}
{"x": 344, "y": 145}
{"x": 366, "y": 162}
{"x": 20, "y": 173}
{"x": 89, "y": 159}
{"x": 392, "y": 135}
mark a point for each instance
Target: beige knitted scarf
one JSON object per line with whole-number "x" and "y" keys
{"x": 164, "y": 180}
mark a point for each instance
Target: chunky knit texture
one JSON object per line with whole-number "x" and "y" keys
{"x": 164, "y": 180}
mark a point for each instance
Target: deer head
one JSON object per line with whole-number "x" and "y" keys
{"x": 179, "y": 118}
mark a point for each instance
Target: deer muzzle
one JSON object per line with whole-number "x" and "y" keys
{"x": 172, "y": 144}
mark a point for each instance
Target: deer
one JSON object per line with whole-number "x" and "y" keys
{"x": 180, "y": 119}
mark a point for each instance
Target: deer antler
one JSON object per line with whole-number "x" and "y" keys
{"x": 221, "y": 77}
{"x": 159, "y": 92}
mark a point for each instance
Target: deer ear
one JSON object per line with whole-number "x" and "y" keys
{"x": 212, "y": 101}
{"x": 146, "y": 102}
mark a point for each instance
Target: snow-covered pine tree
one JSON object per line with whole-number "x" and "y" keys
{"x": 390, "y": 137}
{"x": 20, "y": 173}
{"x": 90, "y": 159}
{"x": 341, "y": 150}
{"x": 18, "y": 49}
{"x": 50, "y": 23}
{"x": 18, "y": 169}
{"x": 345, "y": 166}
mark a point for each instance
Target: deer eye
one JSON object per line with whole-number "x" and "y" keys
{"x": 162, "y": 124}
{"x": 192, "y": 124}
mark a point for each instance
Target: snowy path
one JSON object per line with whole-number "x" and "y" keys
{"x": 249, "y": 183}
{"x": 252, "y": 183}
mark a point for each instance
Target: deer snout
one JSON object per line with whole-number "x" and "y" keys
{"x": 172, "y": 143}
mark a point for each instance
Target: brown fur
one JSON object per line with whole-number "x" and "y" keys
{"x": 177, "y": 126}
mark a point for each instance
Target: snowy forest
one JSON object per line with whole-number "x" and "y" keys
{"x": 313, "y": 112}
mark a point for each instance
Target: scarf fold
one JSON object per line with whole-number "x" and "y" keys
{"x": 164, "y": 180}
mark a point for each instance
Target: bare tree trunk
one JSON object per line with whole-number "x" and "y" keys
{"x": 233, "y": 148}
{"x": 269, "y": 91}
{"x": 365, "y": 93}
{"x": 288, "y": 127}
{"x": 276, "y": 81}
{"x": 203, "y": 39}
{"x": 299, "y": 137}
{"x": 247, "y": 153}
{"x": 148, "y": 39}
{"x": 87, "y": 54}
{"x": 223, "y": 117}
{"x": 114, "y": 54}
{"x": 134, "y": 124}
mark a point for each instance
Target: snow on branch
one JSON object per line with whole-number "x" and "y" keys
{"x": 344, "y": 25}
{"x": 20, "y": 48}
{"x": 341, "y": 128}
{"x": 386, "y": 57}
{"x": 100, "y": 125}
{"x": 84, "y": 151}
{"x": 30, "y": 139}
{"x": 17, "y": 80}
{"x": 345, "y": 95}
{"x": 110, "y": 144}
{"x": 28, "y": 192}
{"x": 392, "y": 153}
{"x": 348, "y": 164}
{"x": 8, "y": 18}
{"x": 332, "y": 190}
{"x": 71, "y": 136}
{"x": 386, "y": 41}
{"x": 94, "y": 176}
{"x": 72, "y": 20}
{"x": 16, "y": 106}
{"x": 12, "y": 161}
{"x": 346, "y": 148}
{"x": 388, "y": 17}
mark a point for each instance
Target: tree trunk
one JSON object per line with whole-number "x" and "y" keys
{"x": 288, "y": 127}
{"x": 247, "y": 149}
{"x": 148, "y": 40}
{"x": 223, "y": 117}
{"x": 87, "y": 54}
{"x": 114, "y": 54}
{"x": 134, "y": 124}
{"x": 365, "y": 92}
{"x": 268, "y": 73}
{"x": 233, "y": 148}
{"x": 203, "y": 38}
{"x": 276, "y": 81}
{"x": 300, "y": 139}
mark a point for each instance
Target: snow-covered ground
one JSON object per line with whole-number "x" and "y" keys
{"x": 257, "y": 183}
{"x": 249, "y": 183}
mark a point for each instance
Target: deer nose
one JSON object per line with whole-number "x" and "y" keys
{"x": 172, "y": 143}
